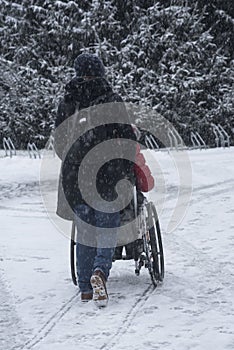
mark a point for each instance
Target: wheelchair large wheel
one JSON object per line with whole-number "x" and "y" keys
{"x": 154, "y": 245}
{"x": 73, "y": 254}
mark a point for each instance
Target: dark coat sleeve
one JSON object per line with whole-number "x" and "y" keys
{"x": 66, "y": 108}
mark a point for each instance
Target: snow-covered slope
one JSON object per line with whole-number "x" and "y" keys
{"x": 193, "y": 309}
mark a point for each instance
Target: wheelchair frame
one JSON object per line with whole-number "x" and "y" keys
{"x": 147, "y": 250}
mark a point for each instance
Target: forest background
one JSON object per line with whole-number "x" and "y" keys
{"x": 173, "y": 56}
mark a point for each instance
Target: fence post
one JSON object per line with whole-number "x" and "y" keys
{"x": 33, "y": 150}
{"x": 201, "y": 140}
{"x": 150, "y": 142}
{"x": 197, "y": 140}
{"x": 227, "y": 141}
{"x": 172, "y": 138}
{"x": 220, "y": 135}
{"x": 9, "y": 146}
{"x": 216, "y": 135}
{"x": 177, "y": 135}
{"x": 51, "y": 144}
{"x": 194, "y": 140}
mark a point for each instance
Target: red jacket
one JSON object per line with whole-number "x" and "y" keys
{"x": 144, "y": 178}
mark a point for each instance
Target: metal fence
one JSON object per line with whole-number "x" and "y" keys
{"x": 151, "y": 143}
{"x": 9, "y": 147}
{"x": 197, "y": 140}
{"x": 33, "y": 151}
{"x": 222, "y": 138}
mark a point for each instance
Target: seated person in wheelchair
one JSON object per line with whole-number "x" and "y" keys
{"x": 144, "y": 183}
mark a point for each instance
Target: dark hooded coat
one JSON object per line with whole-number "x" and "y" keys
{"x": 80, "y": 95}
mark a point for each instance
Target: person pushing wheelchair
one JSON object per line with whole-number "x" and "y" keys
{"x": 90, "y": 88}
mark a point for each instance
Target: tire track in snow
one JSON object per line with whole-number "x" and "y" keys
{"x": 199, "y": 195}
{"x": 13, "y": 190}
{"x": 131, "y": 314}
{"x": 210, "y": 291}
{"x": 49, "y": 325}
{"x": 210, "y": 278}
{"x": 11, "y": 328}
{"x": 211, "y": 186}
{"x": 221, "y": 187}
{"x": 202, "y": 260}
{"x": 173, "y": 190}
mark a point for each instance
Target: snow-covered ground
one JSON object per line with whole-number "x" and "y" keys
{"x": 40, "y": 308}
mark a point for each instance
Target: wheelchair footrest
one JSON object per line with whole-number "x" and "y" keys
{"x": 127, "y": 257}
{"x": 137, "y": 272}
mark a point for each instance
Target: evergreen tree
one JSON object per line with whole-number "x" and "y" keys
{"x": 174, "y": 56}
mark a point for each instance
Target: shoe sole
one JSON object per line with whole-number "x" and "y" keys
{"x": 86, "y": 300}
{"x": 86, "y": 297}
{"x": 100, "y": 296}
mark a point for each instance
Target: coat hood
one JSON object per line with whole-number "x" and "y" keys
{"x": 86, "y": 91}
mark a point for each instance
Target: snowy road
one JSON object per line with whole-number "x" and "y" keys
{"x": 193, "y": 309}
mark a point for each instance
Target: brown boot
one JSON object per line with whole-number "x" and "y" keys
{"x": 98, "y": 282}
{"x": 85, "y": 297}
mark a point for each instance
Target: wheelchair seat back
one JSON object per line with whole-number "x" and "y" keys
{"x": 129, "y": 229}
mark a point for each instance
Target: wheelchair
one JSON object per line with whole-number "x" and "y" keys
{"x": 145, "y": 248}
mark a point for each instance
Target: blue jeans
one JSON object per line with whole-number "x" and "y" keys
{"x": 90, "y": 258}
